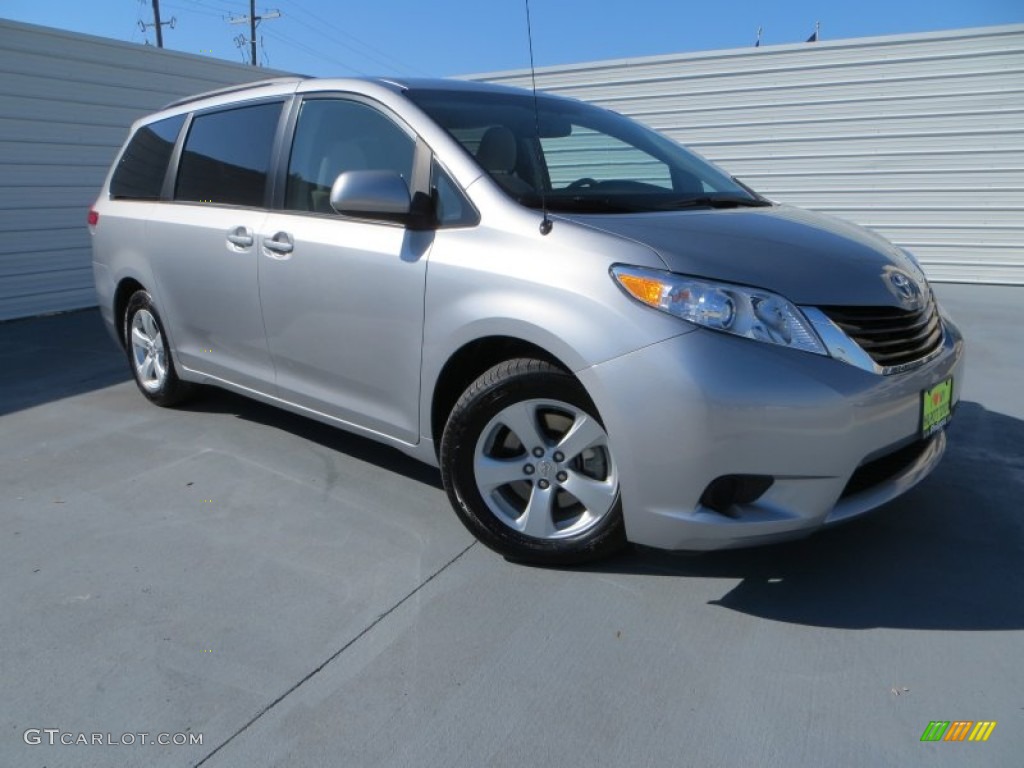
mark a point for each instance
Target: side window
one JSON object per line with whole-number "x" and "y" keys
{"x": 334, "y": 135}
{"x": 141, "y": 170}
{"x": 226, "y": 156}
{"x": 453, "y": 209}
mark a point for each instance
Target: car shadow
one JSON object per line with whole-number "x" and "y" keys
{"x": 56, "y": 356}
{"x": 948, "y": 555}
{"x": 219, "y": 401}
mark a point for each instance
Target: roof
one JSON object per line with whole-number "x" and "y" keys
{"x": 311, "y": 83}
{"x": 240, "y": 88}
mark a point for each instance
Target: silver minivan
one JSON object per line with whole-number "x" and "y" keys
{"x": 597, "y": 335}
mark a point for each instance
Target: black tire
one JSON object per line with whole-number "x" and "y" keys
{"x": 505, "y": 385}
{"x": 168, "y": 389}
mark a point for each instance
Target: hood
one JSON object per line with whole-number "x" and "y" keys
{"x": 806, "y": 257}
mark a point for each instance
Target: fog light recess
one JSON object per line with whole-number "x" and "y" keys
{"x": 727, "y": 491}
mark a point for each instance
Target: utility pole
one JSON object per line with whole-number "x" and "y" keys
{"x": 157, "y": 25}
{"x": 252, "y": 19}
{"x": 252, "y": 29}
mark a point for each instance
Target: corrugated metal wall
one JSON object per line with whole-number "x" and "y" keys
{"x": 66, "y": 101}
{"x": 920, "y": 137}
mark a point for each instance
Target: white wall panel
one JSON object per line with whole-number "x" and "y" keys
{"x": 66, "y": 102}
{"x": 920, "y": 137}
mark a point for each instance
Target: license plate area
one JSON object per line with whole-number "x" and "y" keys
{"x": 936, "y": 407}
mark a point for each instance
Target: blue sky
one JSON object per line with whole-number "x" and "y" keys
{"x": 448, "y": 37}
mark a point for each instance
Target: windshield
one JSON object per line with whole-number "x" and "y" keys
{"x": 586, "y": 159}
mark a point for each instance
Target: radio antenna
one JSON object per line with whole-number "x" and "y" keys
{"x": 545, "y": 224}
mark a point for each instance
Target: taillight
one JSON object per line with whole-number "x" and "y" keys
{"x": 93, "y": 218}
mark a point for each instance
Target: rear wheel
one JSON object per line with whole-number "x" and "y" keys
{"x": 528, "y": 466}
{"x": 149, "y": 354}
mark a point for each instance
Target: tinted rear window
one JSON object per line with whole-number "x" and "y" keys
{"x": 227, "y": 154}
{"x": 140, "y": 172}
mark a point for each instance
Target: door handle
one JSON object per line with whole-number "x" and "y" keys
{"x": 281, "y": 242}
{"x": 240, "y": 236}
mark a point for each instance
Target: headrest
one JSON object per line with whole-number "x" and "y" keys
{"x": 497, "y": 151}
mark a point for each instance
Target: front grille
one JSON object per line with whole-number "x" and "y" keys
{"x": 891, "y": 336}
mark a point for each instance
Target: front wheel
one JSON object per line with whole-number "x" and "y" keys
{"x": 529, "y": 468}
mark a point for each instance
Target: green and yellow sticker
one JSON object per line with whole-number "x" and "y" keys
{"x": 936, "y": 407}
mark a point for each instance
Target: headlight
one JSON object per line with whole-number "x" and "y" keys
{"x": 747, "y": 312}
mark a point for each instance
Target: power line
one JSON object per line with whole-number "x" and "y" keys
{"x": 333, "y": 39}
{"x": 219, "y": 7}
{"x": 369, "y": 52}
{"x": 187, "y": 9}
{"x": 315, "y": 53}
{"x": 229, "y": 12}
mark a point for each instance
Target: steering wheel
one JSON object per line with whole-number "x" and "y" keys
{"x": 583, "y": 183}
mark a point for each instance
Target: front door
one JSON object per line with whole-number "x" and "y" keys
{"x": 343, "y": 298}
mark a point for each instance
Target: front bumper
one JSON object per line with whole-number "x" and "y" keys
{"x": 693, "y": 408}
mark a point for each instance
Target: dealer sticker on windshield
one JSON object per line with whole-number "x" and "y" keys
{"x": 936, "y": 407}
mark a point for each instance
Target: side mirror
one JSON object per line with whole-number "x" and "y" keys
{"x": 371, "y": 195}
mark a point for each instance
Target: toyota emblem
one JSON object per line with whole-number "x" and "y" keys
{"x": 905, "y": 289}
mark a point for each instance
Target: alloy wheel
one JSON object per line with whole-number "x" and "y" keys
{"x": 544, "y": 468}
{"x": 148, "y": 352}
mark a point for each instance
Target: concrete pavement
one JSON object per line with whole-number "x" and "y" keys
{"x": 302, "y": 597}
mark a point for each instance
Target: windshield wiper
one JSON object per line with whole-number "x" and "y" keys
{"x": 638, "y": 204}
{"x": 707, "y": 201}
{"x": 582, "y": 204}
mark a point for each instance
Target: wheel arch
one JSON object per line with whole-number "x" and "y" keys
{"x": 125, "y": 288}
{"x": 467, "y": 363}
